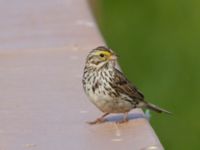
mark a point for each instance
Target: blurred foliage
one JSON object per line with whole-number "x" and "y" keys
{"x": 159, "y": 48}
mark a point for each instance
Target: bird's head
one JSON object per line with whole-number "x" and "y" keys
{"x": 101, "y": 56}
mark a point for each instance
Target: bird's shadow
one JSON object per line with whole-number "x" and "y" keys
{"x": 131, "y": 116}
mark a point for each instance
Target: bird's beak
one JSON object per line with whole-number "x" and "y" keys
{"x": 113, "y": 57}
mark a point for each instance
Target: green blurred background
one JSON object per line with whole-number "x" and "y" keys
{"x": 159, "y": 46}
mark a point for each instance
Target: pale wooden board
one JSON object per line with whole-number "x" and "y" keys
{"x": 43, "y": 45}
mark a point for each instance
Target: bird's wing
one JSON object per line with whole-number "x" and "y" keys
{"x": 122, "y": 85}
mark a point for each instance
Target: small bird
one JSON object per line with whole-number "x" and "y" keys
{"x": 108, "y": 88}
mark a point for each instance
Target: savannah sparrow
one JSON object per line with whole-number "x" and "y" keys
{"x": 108, "y": 88}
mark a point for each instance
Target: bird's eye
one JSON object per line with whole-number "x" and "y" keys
{"x": 101, "y": 55}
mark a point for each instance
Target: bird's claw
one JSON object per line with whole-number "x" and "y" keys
{"x": 97, "y": 121}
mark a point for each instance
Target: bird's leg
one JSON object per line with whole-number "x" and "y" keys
{"x": 125, "y": 118}
{"x": 99, "y": 120}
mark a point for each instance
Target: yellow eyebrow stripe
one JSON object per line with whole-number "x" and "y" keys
{"x": 103, "y": 52}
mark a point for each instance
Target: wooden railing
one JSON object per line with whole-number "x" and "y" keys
{"x": 43, "y": 45}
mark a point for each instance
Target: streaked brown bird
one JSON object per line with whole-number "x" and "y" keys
{"x": 108, "y": 88}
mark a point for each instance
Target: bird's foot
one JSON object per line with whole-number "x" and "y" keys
{"x": 97, "y": 121}
{"x": 125, "y": 119}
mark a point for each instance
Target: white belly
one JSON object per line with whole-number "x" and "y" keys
{"x": 107, "y": 103}
{"x": 102, "y": 94}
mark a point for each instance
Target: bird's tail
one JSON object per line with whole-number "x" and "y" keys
{"x": 156, "y": 108}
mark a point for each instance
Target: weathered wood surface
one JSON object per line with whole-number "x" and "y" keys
{"x": 43, "y": 44}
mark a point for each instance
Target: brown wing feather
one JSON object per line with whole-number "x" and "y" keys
{"x": 122, "y": 85}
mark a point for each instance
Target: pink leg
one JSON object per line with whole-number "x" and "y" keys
{"x": 125, "y": 118}
{"x": 99, "y": 120}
